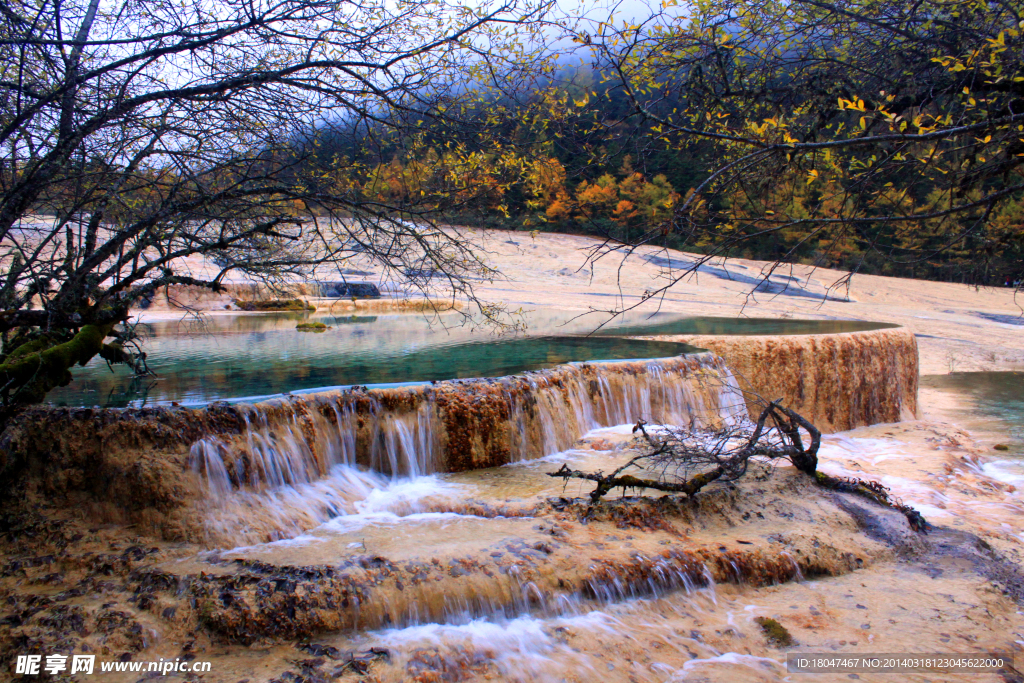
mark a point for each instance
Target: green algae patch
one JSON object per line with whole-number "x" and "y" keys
{"x": 775, "y": 632}
{"x": 312, "y": 327}
{"x": 36, "y": 367}
{"x": 275, "y": 305}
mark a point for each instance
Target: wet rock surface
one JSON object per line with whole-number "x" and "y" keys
{"x": 504, "y": 574}
{"x": 68, "y": 587}
{"x": 837, "y": 381}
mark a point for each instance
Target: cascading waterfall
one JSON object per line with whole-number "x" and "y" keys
{"x": 288, "y": 443}
{"x": 669, "y": 391}
{"x": 306, "y": 458}
{"x": 140, "y": 469}
{"x": 407, "y": 443}
{"x": 322, "y": 512}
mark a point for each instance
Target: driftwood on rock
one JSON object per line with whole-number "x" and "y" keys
{"x": 615, "y": 480}
{"x": 686, "y": 463}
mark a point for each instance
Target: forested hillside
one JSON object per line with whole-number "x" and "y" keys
{"x": 873, "y": 137}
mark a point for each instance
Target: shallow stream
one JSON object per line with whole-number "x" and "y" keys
{"x": 991, "y": 406}
{"x": 994, "y": 402}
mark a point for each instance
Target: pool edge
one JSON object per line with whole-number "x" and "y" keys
{"x": 839, "y": 381}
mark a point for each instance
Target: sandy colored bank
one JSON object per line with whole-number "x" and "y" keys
{"x": 499, "y": 574}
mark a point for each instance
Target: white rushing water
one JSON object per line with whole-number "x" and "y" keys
{"x": 634, "y": 640}
{"x": 290, "y": 442}
{"x": 307, "y": 468}
{"x": 361, "y": 458}
{"x": 349, "y": 496}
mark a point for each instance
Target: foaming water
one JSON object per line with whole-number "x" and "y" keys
{"x": 288, "y": 444}
{"x": 524, "y": 648}
{"x": 351, "y": 496}
{"x": 356, "y": 522}
{"x": 634, "y": 640}
{"x": 926, "y": 499}
{"x": 1006, "y": 471}
{"x": 970, "y": 487}
{"x": 730, "y": 659}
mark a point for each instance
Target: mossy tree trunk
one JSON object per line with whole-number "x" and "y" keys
{"x": 34, "y": 368}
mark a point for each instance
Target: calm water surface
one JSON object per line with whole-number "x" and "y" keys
{"x": 994, "y": 400}
{"x": 248, "y": 356}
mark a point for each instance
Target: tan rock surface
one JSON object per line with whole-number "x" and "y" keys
{"x": 957, "y": 590}
{"x": 948, "y": 319}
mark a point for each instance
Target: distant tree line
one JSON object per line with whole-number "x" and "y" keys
{"x": 875, "y": 137}
{"x": 275, "y": 139}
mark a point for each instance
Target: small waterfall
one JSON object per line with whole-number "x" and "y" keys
{"x": 288, "y": 452}
{"x": 289, "y": 442}
{"x": 207, "y": 457}
{"x": 458, "y": 590}
{"x": 692, "y": 391}
{"x": 355, "y": 495}
{"x": 456, "y": 425}
{"x": 406, "y": 444}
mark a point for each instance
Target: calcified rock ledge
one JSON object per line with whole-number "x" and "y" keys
{"x": 706, "y": 565}
{"x": 838, "y": 381}
{"x": 153, "y": 466}
{"x": 544, "y": 562}
{"x": 558, "y": 556}
{"x": 176, "y": 298}
{"x": 166, "y": 468}
{"x": 552, "y": 574}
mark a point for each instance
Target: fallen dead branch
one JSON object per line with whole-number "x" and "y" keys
{"x": 684, "y": 461}
{"x": 875, "y": 491}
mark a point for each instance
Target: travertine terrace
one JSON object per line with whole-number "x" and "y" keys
{"x": 838, "y": 381}
{"x": 148, "y": 537}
